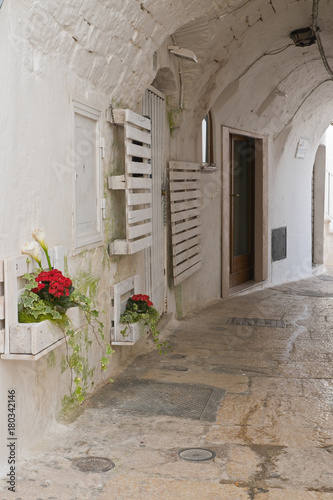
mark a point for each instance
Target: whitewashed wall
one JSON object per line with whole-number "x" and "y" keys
{"x": 98, "y": 53}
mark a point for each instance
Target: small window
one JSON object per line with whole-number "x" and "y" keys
{"x": 87, "y": 206}
{"x": 207, "y": 140}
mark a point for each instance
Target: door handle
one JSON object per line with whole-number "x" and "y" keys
{"x": 235, "y": 195}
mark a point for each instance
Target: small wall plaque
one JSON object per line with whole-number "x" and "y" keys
{"x": 302, "y": 146}
{"x": 279, "y": 243}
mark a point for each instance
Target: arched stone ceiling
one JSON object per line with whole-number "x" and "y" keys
{"x": 243, "y": 48}
{"x": 246, "y": 56}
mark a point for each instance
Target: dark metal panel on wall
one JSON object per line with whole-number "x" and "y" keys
{"x": 279, "y": 243}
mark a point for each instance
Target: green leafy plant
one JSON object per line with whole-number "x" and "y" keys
{"x": 139, "y": 308}
{"x": 48, "y": 295}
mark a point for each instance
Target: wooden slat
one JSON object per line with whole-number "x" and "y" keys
{"x": 187, "y": 264}
{"x": 123, "y": 286}
{"x": 177, "y": 238}
{"x": 139, "y": 183}
{"x": 11, "y": 294}
{"x": 139, "y": 230}
{"x": 183, "y": 215}
{"x": 184, "y": 206}
{"x": 184, "y": 245}
{"x": 139, "y": 215}
{"x": 138, "y": 199}
{"x": 183, "y": 175}
{"x": 138, "y": 120}
{"x": 184, "y": 165}
{"x": 135, "y": 134}
{"x": 19, "y": 264}
{"x": 138, "y": 245}
{"x": 118, "y": 247}
{"x": 184, "y": 195}
{"x": 139, "y": 151}
{"x": 178, "y": 259}
{"x": 2, "y": 307}
{"x": 116, "y": 182}
{"x": 118, "y": 116}
{"x": 183, "y": 186}
{"x": 2, "y": 341}
{"x": 183, "y": 226}
{"x": 136, "y": 167}
{"x": 178, "y": 279}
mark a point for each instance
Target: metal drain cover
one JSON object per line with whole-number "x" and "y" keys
{"x": 93, "y": 464}
{"x": 270, "y": 323}
{"x": 196, "y": 454}
{"x": 150, "y": 398}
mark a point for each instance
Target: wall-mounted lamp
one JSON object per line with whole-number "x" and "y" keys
{"x": 303, "y": 37}
{"x": 187, "y": 54}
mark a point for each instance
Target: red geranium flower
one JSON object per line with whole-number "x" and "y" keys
{"x": 53, "y": 285}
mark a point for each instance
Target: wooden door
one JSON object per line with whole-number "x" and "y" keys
{"x": 242, "y": 158}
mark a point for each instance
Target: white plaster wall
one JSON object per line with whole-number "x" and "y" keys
{"x": 289, "y": 197}
{"x": 102, "y": 52}
{"x": 329, "y": 149}
{"x": 36, "y": 190}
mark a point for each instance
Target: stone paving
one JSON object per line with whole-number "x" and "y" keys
{"x": 271, "y": 427}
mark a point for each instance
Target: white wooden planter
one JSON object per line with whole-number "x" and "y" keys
{"x": 33, "y": 340}
{"x": 132, "y": 333}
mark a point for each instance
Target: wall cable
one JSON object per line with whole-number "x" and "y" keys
{"x": 315, "y": 29}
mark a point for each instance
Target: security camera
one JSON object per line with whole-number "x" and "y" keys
{"x": 183, "y": 53}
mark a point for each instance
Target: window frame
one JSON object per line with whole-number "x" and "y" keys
{"x": 208, "y": 158}
{"x": 95, "y": 239}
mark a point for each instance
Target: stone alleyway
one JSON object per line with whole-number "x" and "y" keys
{"x": 249, "y": 378}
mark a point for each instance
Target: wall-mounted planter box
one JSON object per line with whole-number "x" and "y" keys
{"x": 33, "y": 340}
{"x": 132, "y": 334}
{"x": 27, "y": 341}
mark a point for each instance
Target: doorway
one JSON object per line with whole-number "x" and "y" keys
{"x": 242, "y": 182}
{"x": 244, "y": 209}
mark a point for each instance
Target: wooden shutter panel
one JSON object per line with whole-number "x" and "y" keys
{"x": 185, "y": 201}
{"x": 136, "y": 182}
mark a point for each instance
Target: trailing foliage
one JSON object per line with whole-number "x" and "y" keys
{"x": 47, "y": 296}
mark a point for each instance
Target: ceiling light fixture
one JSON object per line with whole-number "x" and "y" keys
{"x": 187, "y": 54}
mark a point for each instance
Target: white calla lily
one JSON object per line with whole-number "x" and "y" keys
{"x": 32, "y": 249}
{"x": 39, "y": 235}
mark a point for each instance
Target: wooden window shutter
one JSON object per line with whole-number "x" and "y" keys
{"x": 185, "y": 218}
{"x": 136, "y": 182}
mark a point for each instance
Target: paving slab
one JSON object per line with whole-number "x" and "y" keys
{"x": 258, "y": 394}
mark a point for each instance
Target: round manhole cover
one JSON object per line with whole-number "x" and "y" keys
{"x": 93, "y": 464}
{"x": 196, "y": 454}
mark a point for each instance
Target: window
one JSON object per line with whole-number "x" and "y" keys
{"x": 207, "y": 140}
{"x": 87, "y": 206}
